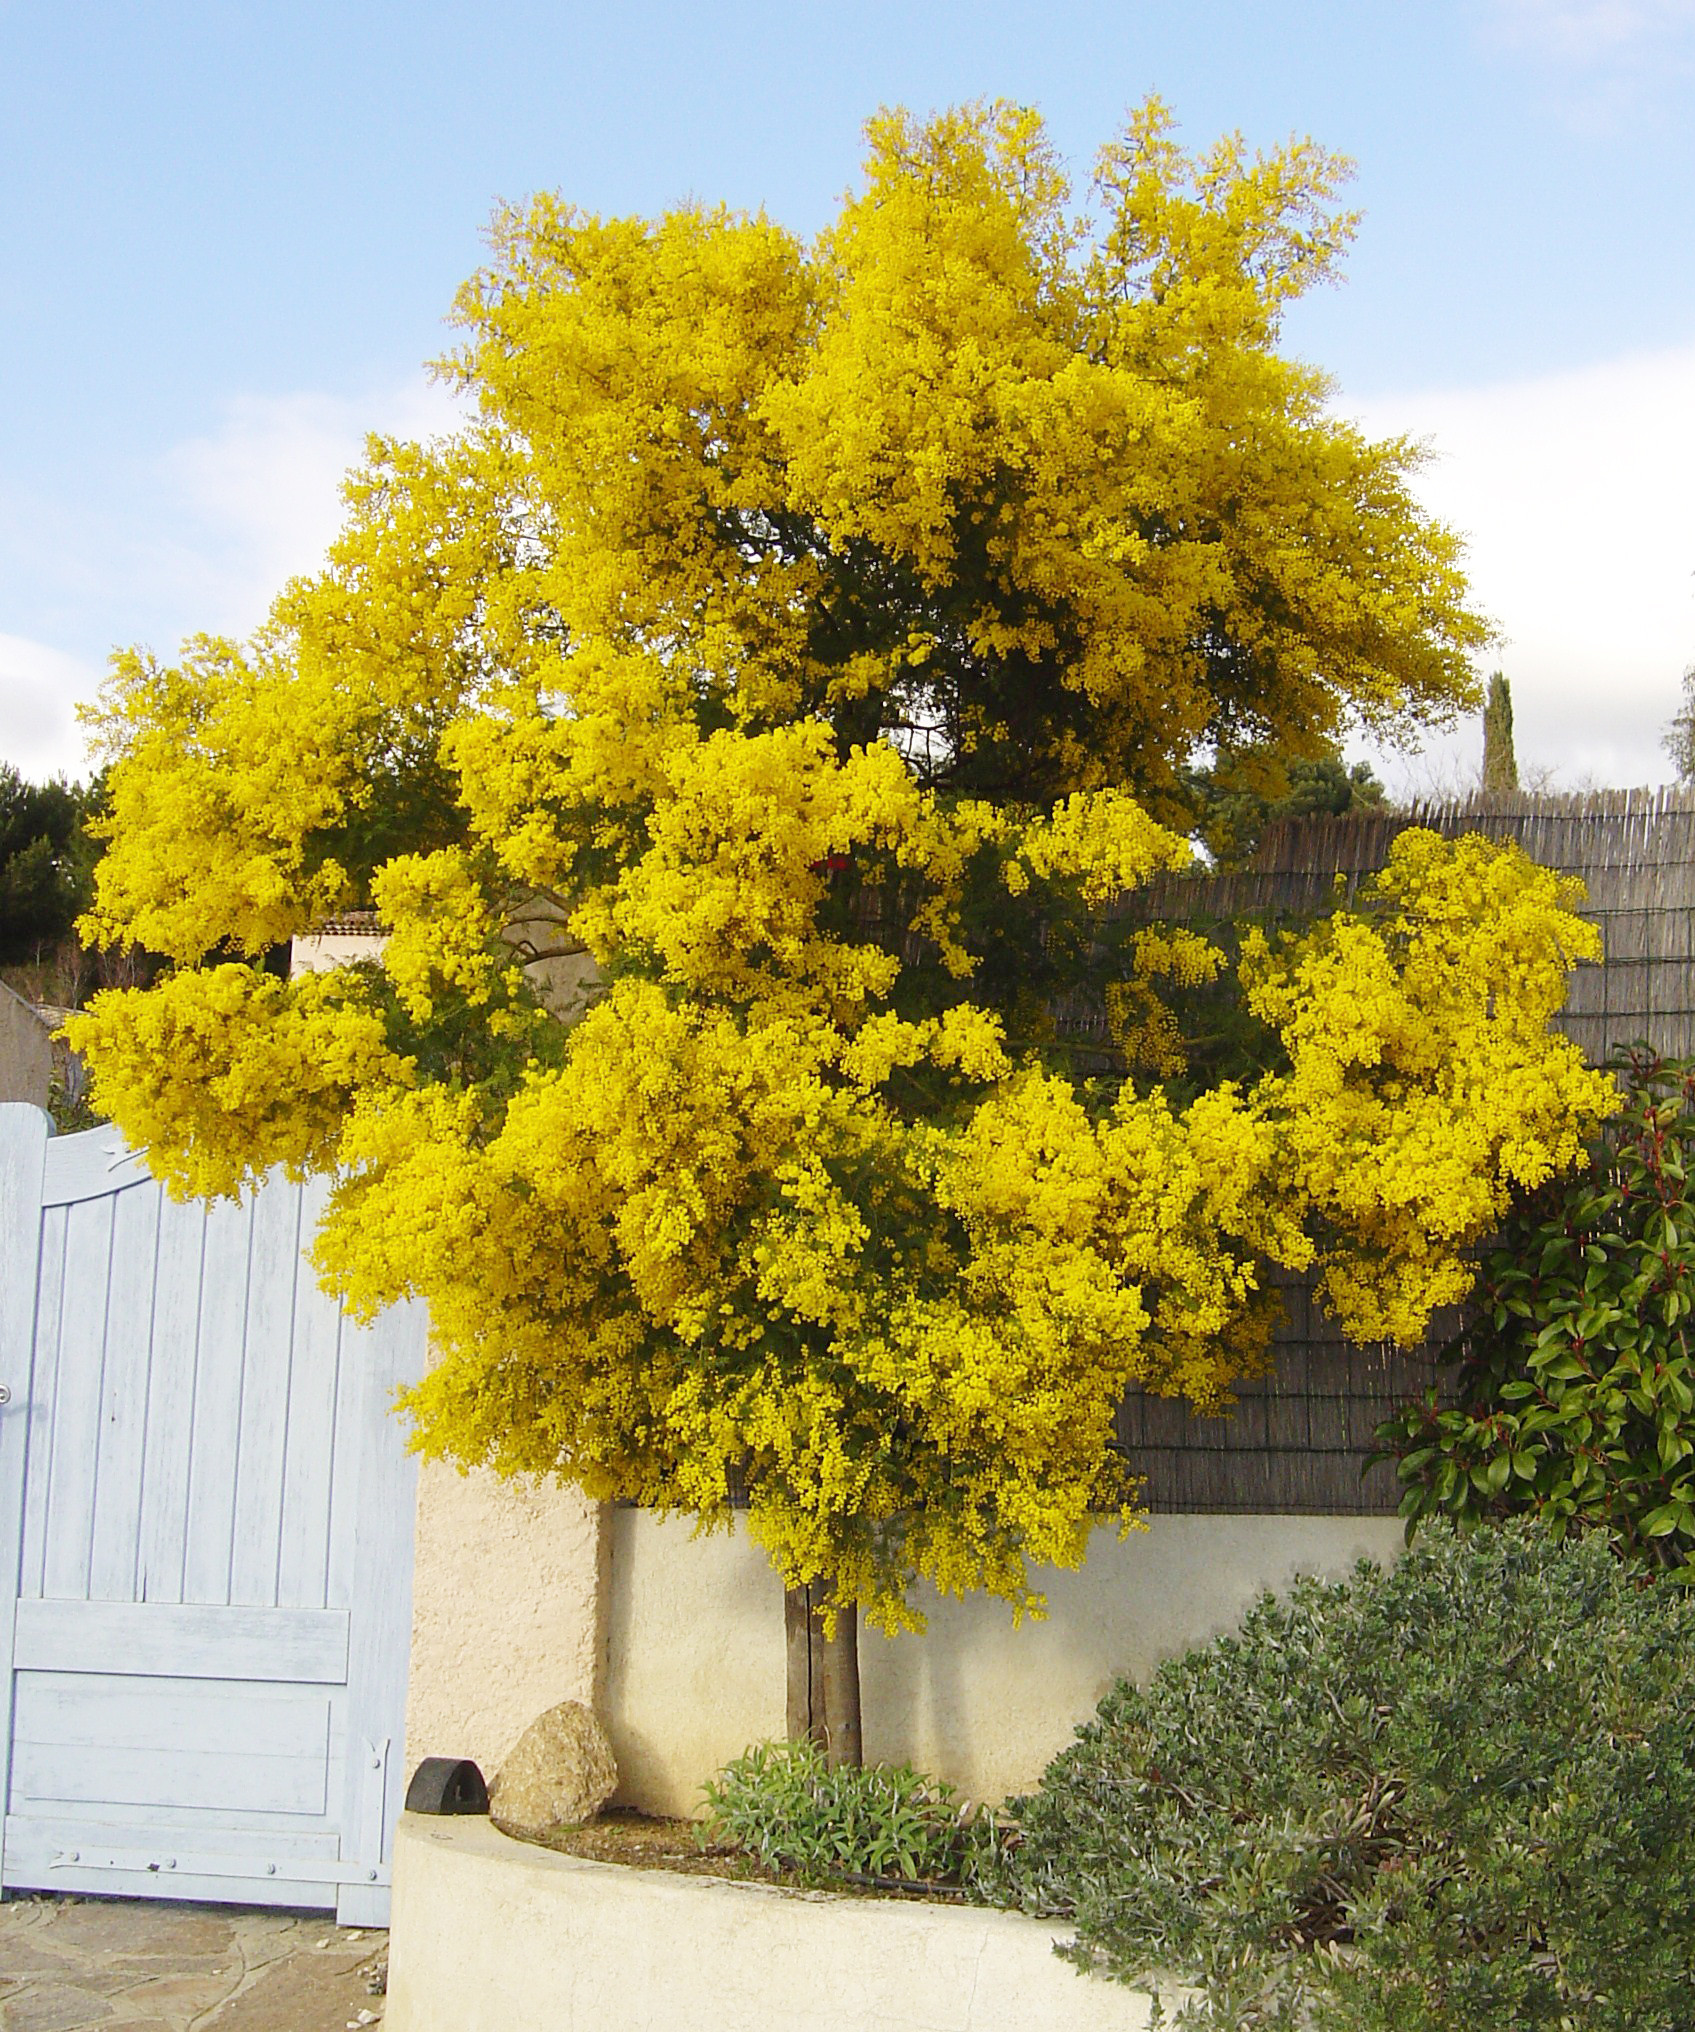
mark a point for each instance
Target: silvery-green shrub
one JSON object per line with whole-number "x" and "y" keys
{"x": 1453, "y": 1796}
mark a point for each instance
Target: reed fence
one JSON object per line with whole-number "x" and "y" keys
{"x": 1297, "y": 1441}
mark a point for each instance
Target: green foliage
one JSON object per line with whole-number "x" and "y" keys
{"x": 1456, "y": 1794}
{"x": 1240, "y": 794}
{"x": 68, "y": 1102}
{"x": 782, "y": 1803}
{"x": 1500, "y": 761}
{"x": 46, "y": 863}
{"x": 1574, "y": 1391}
{"x": 1679, "y": 737}
{"x": 49, "y": 849}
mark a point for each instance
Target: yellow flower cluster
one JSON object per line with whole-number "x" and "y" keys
{"x": 816, "y": 637}
{"x": 1144, "y": 1027}
{"x": 440, "y": 946}
{"x": 962, "y": 431}
{"x": 221, "y": 1072}
{"x": 712, "y": 1240}
{"x": 232, "y": 778}
{"x": 1424, "y": 1087}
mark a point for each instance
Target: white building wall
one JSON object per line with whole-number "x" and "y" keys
{"x": 695, "y": 1657}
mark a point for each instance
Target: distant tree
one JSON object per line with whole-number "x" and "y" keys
{"x": 46, "y": 864}
{"x": 1238, "y": 796}
{"x": 49, "y": 847}
{"x": 1500, "y": 764}
{"x": 1680, "y": 734}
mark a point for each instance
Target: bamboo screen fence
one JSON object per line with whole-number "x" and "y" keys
{"x": 1297, "y": 1441}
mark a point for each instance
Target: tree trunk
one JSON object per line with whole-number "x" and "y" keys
{"x": 823, "y": 1676}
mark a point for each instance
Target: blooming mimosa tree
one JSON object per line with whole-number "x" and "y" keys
{"x": 816, "y": 636}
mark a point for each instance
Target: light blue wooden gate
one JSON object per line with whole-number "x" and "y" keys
{"x": 205, "y": 1543}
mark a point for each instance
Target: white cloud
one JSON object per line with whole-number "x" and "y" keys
{"x": 1587, "y": 31}
{"x": 1575, "y": 493}
{"x": 257, "y": 500}
{"x": 40, "y": 689}
{"x": 1605, "y": 65}
{"x": 203, "y": 539}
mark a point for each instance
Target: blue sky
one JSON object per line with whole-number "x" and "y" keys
{"x": 229, "y": 234}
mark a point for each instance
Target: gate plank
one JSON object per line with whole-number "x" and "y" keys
{"x": 244, "y": 1851}
{"x": 392, "y": 1351}
{"x": 303, "y": 1559}
{"x": 68, "y": 1545}
{"x": 137, "y": 1852}
{"x": 43, "y": 1400}
{"x": 217, "y": 1404}
{"x": 113, "y": 1555}
{"x": 190, "y": 1641}
{"x": 149, "y": 1717}
{"x": 152, "y": 1743}
{"x": 267, "y": 1360}
{"x": 163, "y": 1535}
{"x": 88, "y": 1166}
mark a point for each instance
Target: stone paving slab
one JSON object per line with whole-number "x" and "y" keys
{"x": 129, "y": 1965}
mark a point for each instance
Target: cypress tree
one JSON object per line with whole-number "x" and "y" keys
{"x": 1500, "y": 764}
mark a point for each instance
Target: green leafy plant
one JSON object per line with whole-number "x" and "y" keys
{"x": 1573, "y": 1392}
{"x": 1457, "y": 1793}
{"x": 46, "y": 861}
{"x": 782, "y": 1803}
{"x": 68, "y": 1104}
{"x": 1243, "y": 790}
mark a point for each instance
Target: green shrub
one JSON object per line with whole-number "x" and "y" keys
{"x": 781, "y": 1803}
{"x": 1455, "y": 1796}
{"x": 1573, "y": 1393}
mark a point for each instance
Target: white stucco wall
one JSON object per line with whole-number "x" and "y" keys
{"x": 564, "y": 980}
{"x": 506, "y": 1611}
{"x": 492, "y": 1935}
{"x": 695, "y": 1661}
{"x": 318, "y": 952}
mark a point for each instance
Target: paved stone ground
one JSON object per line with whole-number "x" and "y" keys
{"x": 126, "y": 1965}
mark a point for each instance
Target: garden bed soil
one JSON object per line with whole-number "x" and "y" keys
{"x": 645, "y": 1841}
{"x": 642, "y": 1841}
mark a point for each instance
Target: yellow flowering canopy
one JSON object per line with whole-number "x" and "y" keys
{"x": 814, "y": 638}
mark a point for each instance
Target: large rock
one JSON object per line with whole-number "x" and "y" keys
{"x": 560, "y": 1773}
